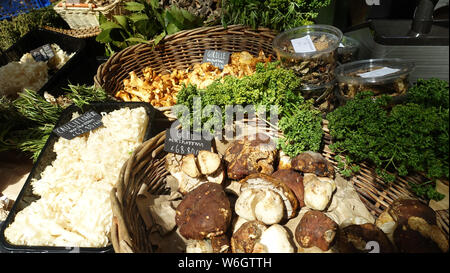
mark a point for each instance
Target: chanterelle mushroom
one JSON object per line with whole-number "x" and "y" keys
{"x": 204, "y": 212}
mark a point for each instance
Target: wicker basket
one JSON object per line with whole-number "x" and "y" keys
{"x": 180, "y": 51}
{"x": 77, "y": 33}
{"x": 146, "y": 165}
{"x": 87, "y": 17}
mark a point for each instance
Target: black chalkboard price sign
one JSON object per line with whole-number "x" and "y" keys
{"x": 184, "y": 146}
{"x": 80, "y": 125}
{"x": 43, "y": 53}
{"x": 217, "y": 58}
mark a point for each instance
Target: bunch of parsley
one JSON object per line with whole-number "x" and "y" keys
{"x": 398, "y": 140}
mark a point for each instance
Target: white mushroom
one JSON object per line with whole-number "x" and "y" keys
{"x": 275, "y": 239}
{"x": 246, "y": 203}
{"x": 317, "y": 193}
{"x": 269, "y": 209}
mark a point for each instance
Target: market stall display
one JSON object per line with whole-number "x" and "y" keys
{"x": 53, "y": 187}
{"x": 306, "y": 169}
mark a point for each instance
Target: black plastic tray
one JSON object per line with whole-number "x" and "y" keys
{"x": 69, "y": 73}
{"x": 46, "y": 157}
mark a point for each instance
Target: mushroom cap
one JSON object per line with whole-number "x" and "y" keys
{"x": 245, "y": 238}
{"x": 317, "y": 193}
{"x": 402, "y": 209}
{"x": 275, "y": 239}
{"x": 294, "y": 180}
{"x": 221, "y": 244}
{"x": 316, "y": 229}
{"x": 356, "y": 239}
{"x": 252, "y": 154}
{"x": 261, "y": 181}
{"x": 204, "y": 212}
{"x": 312, "y": 162}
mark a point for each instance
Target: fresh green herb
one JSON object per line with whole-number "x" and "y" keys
{"x": 270, "y": 86}
{"x": 431, "y": 92}
{"x": 426, "y": 190}
{"x": 275, "y": 14}
{"x": 346, "y": 166}
{"x": 27, "y": 122}
{"x": 147, "y": 20}
{"x": 12, "y": 30}
{"x": 407, "y": 138}
{"x": 302, "y": 129}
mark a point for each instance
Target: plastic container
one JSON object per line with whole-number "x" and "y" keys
{"x": 71, "y": 72}
{"x": 315, "y": 66}
{"x": 46, "y": 157}
{"x": 348, "y": 50}
{"x": 381, "y": 76}
{"x": 10, "y": 8}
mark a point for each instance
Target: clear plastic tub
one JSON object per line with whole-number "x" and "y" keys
{"x": 348, "y": 50}
{"x": 314, "y": 66}
{"x": 381, "y": 76}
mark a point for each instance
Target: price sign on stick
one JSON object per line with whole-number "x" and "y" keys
{"x": 217, "y": 58}
{"x": 178, "y": 145}
{"x": 82, "y": 124}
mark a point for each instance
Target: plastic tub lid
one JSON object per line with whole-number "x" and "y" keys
{"x": 299, "y": 32}
{"x": 349, "y": 43}
{"x": 381, "y": 70}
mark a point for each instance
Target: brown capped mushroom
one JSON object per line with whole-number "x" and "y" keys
{"x": 363, "y": 239}
{"x": 416, "y": 230}
{"x": 245, "y": 238}
{"x": 312, "y": 162}
{"x": 204, "y": 212}
{"x": 221, "y": 244}
{"x": 294, "y": 180}
{"x": 250, "y": 155}
{"x": 316, "y": 229}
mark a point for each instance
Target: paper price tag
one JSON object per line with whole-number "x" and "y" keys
{"x": 82, "y": 124}
{"x": 379, "y": 72}
{"x": 217, "y": 58}
{"x": 303, "y": 44}
{"x": 179, "y": 145}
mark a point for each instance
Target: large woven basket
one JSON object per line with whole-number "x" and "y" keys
{"x": 146, "y": 165}
{"x": 87, "y": 17}
{"x": 180, "y": 51}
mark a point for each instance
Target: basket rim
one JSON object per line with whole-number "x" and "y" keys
{"x": 201, "y": 30}
{"x": 82, "y": 9}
